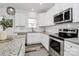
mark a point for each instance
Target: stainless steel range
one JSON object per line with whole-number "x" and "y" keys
{"x": 56, "y": 42}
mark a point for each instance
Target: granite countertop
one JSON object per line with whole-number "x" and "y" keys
{"x": 73, "y": 40}
{"x": 34, "y": 32}
{"x": 11, "y": 48}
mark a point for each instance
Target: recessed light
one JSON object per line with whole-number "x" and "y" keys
{"x": 41, "y": 3}
{"x": 32, "y": 9}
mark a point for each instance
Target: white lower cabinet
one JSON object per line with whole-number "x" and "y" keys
{"x": 33, "y": 38}
{"x": 45, "y": 40}
{"x": 71, "y": 49}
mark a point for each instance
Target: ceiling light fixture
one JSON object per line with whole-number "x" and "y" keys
{"x": 11, "y": 9}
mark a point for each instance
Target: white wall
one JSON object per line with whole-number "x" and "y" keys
{"x": 2, "y": 11}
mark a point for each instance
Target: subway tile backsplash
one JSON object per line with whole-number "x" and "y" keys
{"x": 55, "y": 28}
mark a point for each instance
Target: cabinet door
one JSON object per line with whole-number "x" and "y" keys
{"x": 76, "y": 12}
{"x": 45, "y": 41}
{"x": 41, "y": 19}
{"x": 71, "y": 48}
{"x": 33, "y": 38}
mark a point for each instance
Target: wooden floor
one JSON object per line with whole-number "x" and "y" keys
{"x": 35, "y": 50}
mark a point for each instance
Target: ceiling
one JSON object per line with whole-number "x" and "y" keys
{"x": 37, "y": 7}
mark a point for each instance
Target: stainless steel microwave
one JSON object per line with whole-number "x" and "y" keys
{"x": 65, "y": 16}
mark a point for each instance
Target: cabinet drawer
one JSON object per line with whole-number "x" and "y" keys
{"x": 67, "y": 54}
{"x": 71, "y": 48}
{"x": 71, "y": 45}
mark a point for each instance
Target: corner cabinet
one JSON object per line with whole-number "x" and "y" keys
{"x": 71, "y": 49}
{"x": 41, "y": 19}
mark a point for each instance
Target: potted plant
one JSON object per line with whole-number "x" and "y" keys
{"x": 6, "y": 23}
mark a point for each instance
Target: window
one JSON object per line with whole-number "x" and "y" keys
{"x": 32, "y": 23}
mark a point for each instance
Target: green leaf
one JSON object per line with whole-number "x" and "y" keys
{"x": 6, "y": 23}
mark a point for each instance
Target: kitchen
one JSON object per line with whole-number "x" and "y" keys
{"x": 40, "y": 29}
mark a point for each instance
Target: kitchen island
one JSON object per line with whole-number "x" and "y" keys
{"x": 14, "y": 47}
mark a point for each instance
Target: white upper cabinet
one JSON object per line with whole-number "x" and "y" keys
{"x": 19, "y": 19}
{"x": 76, "y": 12}
{"x": 41, "y": 19}
{"x": 48, "y": 17}
{"x": 45, "y": 19}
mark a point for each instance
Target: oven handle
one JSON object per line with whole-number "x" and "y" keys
{"x": 56, "y": 39}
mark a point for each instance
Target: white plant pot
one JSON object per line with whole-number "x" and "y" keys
{"x": 3, "y": 35}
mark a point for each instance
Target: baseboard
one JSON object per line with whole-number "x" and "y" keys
{"x": 33, "y": 44}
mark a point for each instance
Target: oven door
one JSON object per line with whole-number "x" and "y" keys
{"x": 56, "y": 47}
